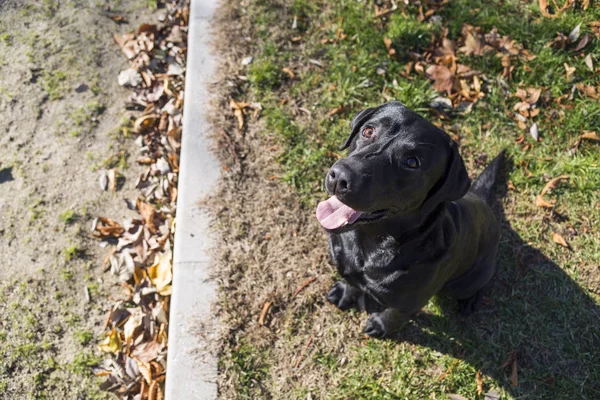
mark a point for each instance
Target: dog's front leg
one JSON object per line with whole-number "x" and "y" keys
{"x": 385, "y": 323}
{"x": 343, "y": 295}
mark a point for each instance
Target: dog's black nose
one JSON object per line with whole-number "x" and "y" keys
{"x": 337, "y": 182}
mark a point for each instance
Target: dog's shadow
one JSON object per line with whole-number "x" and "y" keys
{"x": 535, "y": 314}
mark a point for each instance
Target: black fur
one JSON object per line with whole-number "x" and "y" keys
{"x": 423, "y": 231}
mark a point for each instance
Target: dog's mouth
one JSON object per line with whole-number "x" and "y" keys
{"x": 333, "y": 214}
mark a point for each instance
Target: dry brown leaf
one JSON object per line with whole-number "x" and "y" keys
{"x": 155, "y": 392}
{"x": 263, "y": 313}
{"x": 540, "y": 202}
{"x": 534, "y": 95}
{"x": 304, "y": 284}
{"x": 558, "y": 238}
{"x": 473, "y": 45}
{"x": 145, "y": 370}
{"x": 595, "y": 25}
{"x": 552, "y": 184}
{"x": 479, "y": 381}
{"x": 388, "y": 45}
{"x": 145, "y": 122}
{"x": 147, "y": 352}
{"x": 450, "y": 368}
{"x": 238, "y": 108}
{"x": 335, "y": 110}
{"x": 289, "y": 72}
{"x": 588, "y": 90}
{"x": 147, "y": 212}
{"x": 585, "y": 40}
{"x": 521, "y": 94}
{"x": 545, "y": 6}
{"x": 443, "y": 79}
{"x": 590, "y": 135}
{"x": 303, "y": 351}
{"x": 569, "y": 70}
{"x": 105, "y": 227}
{"x": 381, "y": 12}
{"x": 132, "y": 324}
{"x": 161, "y": 273}
{"x": 112, "y": 343}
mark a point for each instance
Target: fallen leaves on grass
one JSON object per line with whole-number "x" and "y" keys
{"x": 445, "y": 374}
{"x": 586, "y": 135}
{"x": 289, "y": 72}
{"x": 479, "y": 382}
{"x": 303, "y": 353}
{"x": 304, "y": 284}
{"x": 239, "y": 109}
{"x": 559, "y": 239}
{"x": 141, "y": 248}
{"x": 442, "y": 77}
{"x": 590, "y": 135}
{"x": 462, "y": 85}
{"x": 335, "y": 110}
{"x": 388, "y": 45}
{"x": 569, "y": 70}
{"x": 381, "y": 12}
{"x": 540, "y": 202}
{"x": 553, "y": 183}
{"x": 263, "y": 313}
{"x": 553, "y": 9}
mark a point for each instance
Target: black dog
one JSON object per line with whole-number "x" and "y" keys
{"x": 403, "y": 224}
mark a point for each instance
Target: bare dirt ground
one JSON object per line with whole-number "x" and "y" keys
{"x": 61, "y": 111}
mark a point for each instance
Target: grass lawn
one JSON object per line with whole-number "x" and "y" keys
{"x": 494, "y": 75}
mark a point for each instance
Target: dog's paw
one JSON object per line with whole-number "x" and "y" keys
{"x": 340, "y": 296}
{"x": 376, "y": 327}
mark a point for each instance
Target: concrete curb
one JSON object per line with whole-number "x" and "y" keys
{"x": 192, "y": 371}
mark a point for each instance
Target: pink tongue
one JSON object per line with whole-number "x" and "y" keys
{"x": 333, "y": 214}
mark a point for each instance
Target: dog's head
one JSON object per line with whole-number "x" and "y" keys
{"x": 398, "y": 164}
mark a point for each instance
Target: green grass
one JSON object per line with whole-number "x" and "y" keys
{"x": 544, "y": 305}
{"x": 73, "y": 252}
{"x": 83, "y": 337}
{"x": 36, "y": 210}
{"x": 82, "y": 363}
{"x": 68, "y": 216}
{"x": 55, "y": 83}
{"x": 249, "y": 366}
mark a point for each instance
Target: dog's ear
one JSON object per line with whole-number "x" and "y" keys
{"x": 358, "y": 121}
{"x": 453, "y": 185}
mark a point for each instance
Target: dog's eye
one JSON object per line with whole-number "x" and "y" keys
{"x": 412, "y": 162}
{"x": 368, "y": 132}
